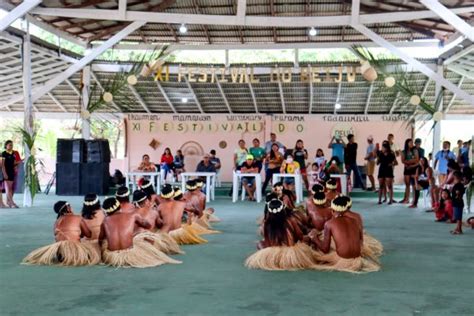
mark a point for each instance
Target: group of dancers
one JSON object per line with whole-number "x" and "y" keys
{"x": 140, "y": 233}
{"x": 325, "y": 234}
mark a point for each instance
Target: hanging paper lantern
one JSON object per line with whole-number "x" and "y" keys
{"x": 132, "y": 80}
{"x": 415, "y": 100}
{"x": 437, "y": 116}
{"x": 368, "y": 72}
{"x": 389, "y": 81}
{"x": 85, "y": 114}
{"x": 108, "y": 97}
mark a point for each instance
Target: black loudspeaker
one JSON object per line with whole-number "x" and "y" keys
{"x": 98, "y": 150}
{"x": 70, "y": 150}
{"x": 95, "y": 178}
{"x": 68, "y": 178}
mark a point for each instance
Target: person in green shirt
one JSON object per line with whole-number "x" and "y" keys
{"x": 258, "y": 153}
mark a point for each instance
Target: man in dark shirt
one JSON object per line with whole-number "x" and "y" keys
{"x": 350, "y": 159}
{"x": 458, "y": 203}
{"x": 249, "y": 166}
{"x": 421, "y": 151}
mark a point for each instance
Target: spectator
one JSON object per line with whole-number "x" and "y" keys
{"x": 463, "y": 158}
{"x": 269, "y": 144}
{"x": 319, "y": 158}
{"x": 386, "y": 159}
{"x": 300, "y": 154}
{"x": 350, "y": 160}
{"x": 333, "y": 166}
{"x": 11, "y": 159}
{"x": 167, "y": 161}
{"x": 240, "y": 154}
{"x": 205, "y": 165}
{"x": 178, "y": 163}
{"x": 337, "y": 146}
{"x": 290, "y": 166}
{"x": 421, "y": 151}
{"x": 457, "y": 149}
{"x": 316, "y": 175}
{"x": 249, "y": 166}
{"x": 442, "y": 157}
{"x": 146, "y": 165}
{"x": 258, "y": 153}
{"x": 275, "y": 159}
{"x": 370, "y": 158}
{"x": 444, "y": 209}
{"x": 3, "y": 177}
{"x": 215, "y": 160}
{"x": 393, "y": 146}
{"x": 457, "y": 193}
{"x": 410, "y": 161}
{"x": 423, "y": 175}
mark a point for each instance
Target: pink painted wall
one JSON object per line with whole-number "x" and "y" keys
{"x": 198, "y": 134}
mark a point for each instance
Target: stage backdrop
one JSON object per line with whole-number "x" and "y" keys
{"x": 196, "y": 134}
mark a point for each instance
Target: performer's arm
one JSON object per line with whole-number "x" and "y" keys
{"x": 140, "y": 221}
{"x": 85, "y": 231}
{"x": 324, "y": 245}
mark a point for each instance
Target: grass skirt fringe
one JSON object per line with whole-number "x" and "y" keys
{"x": 373, "y": 244}
{"x": 211, "y": 218}
{"x": 96, "y": 253}
{"x": 333, "y": 262}
{"x": 161, "y": 241}
{"x": 64, "y": 253}
{"x": 186, "y": 235}
{"x": 141, "y": 255}
{"x": 202, "y": 230}
{"x": 297, "y": 257}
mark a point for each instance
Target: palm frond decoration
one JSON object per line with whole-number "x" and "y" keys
{"x": 31, "y": 163}
{"x": 402, "y": 78}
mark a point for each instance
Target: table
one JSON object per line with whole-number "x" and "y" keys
{"x": 210, "y": 182}
{"x": 236, "y": 178}
{"x": 298, "y": 183}
{"x": 131, "y": 178}
{"x": 343, "y": 179}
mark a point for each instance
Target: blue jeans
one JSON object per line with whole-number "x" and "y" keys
{"x": 357, "y": 177}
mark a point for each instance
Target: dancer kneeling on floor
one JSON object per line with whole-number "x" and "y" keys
{"x": 123, "y": 196}
{"x": 283, "y": 247}
{"x": 68, "y": 249}
{"x": 348, "y": 238}
{"x": 196, "y": 207}
{"x": 318, "y": 212}
{"x": 119, "y": 247}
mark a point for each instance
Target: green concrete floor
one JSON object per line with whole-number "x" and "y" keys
{"x": 426, "y": 271}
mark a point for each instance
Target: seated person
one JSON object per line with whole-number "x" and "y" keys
{"x": 444, "y": 208}
{"x": 282, "y": 247}
{"x": 178, "y": 163}
{"x": 119, "y": 247}
{"x": 195, "y": 206}
{"x": 68, "y": 250}
{"x": 166, "y": 162}
{"x": 215, "y": 160}
{"x": 287, "y": 196}
{"x": 205, "y": 165}
{"x": 147, "y": 187}
{"x": 146, "y": 165}
{"x": 318, "y": 212}
{"x": 333, "y": 166}
{"x": 348, "y": 239}
{"x": 316, "y": 188}
{"x": 93, "y": 215}
{"x": 289, "y": 166}
{"x": 331, "y": 190}
{"x": 123, "y": 196}
{"x": 249, "y": 166}
{"x": 316, "y": 175}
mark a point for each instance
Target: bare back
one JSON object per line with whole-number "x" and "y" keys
{"x": 171, "y": 212}
{"x": 319, "y": 216}
{"x": 127, "y": 207}
{"x": 118, "y": 229}
{"x": 70, "y": 227}
{"x": 194, "y": 203}
{"x": 355, "y": 216}
{"x": 151, "y": 216}
{"x": 347, "y": 236}
{"x": 95, "y": 223}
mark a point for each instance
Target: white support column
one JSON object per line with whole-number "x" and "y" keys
{"x": 296, "y": 62}
{"x": 17, "y": 12}
{"x": 369, "y": 96}
{"x": 437, "y": 127}
{"x": 450, "y": 17}
{"x": 49, "y": 85}
{"x": 227, "y": 62}
{"x": 241, "y": 10}
{"x": 282, "y": 97}
{"x": 163, "y": 92}
{"x": 122, "y": 8}
{"x": 223, "y": 96}
{"x": 254, "y": 99}
{"x": 28, "y": 118}
{"x": 86, "y": 82}
{"x": 414, "y": 63}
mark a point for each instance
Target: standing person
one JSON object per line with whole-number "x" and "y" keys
{"x": 167, "y": 161}
{"x": 275, "y": 159}
{"x": 386, "y": 159}
{"x": 11, "y": 161}
{"x": 457, "y": 193}
{"x": 178, "y": 163}
{"x": 258, "y": 153}
{"x": 215, "y": 160}
{"x": 457, "y": 149}
{"x": 350, "y": 160}
{"x": 300, "y": 154}
{"x": 319, "y": 158}
{"x": 240, "y": 154}
{"x": 442, "y": 157}
{"x": 421, "y": 151}
{"x": 410, "y": 161}
{"x": 463, "y": 158}
{"x": 370, "y": 158}
{"x": 273, "y": 140}
{"x": 393, "y": 146}
{"x": 3, "y": 176}
{"x": 337, "y": 146}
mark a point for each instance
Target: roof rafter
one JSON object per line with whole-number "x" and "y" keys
{"x": 165, "y": 96}
{"x": 369, "y": 96}
{"x": 223, "y": 96}
{"x": 191, "y": 90}
{"x": 139, "y": 98}
{"x": 254, "y": 100}
{"x": 282, "y": 97}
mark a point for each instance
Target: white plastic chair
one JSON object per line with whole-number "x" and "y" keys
{"x": 426, "y": 198}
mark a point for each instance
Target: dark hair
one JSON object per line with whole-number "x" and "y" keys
{"x": 457, "y": 174}
{"x": 425, "y": 162}
{"x": 139, "y": 196}
{"x": 336, "y": 159}
{"x": 60, "y": 208}
{"x": 317, "y": 188}
{"x": 8, "y": 142}
{"x": 322, "y": 152}
{"x": 350, "y": 136}
{"x": 213, "y": 152}
{"x": 145, "y": 155}
{"x": 256, "y": 139}
{"x": 272, "y": 153}
{"x": 241, "y": 140}
{"x": 406, "y": 147}
{"x": 110, "y": 203}
{"x": 167, "y": 149}
{"x": 122, "y": 191}
{"x": 275, "y": 227}
{"x": 315, "y": 164}
{"x": 467, "y": 173}
{"x": 148, "y": 188}
{"x": 452, "y": 164}
{"x": 390, "y": 135}
{"x": 88, "y": 211}
{"x": 441, "y": 200}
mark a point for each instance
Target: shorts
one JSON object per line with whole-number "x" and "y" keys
{"x": 370, "y": 167}
{"x": 248, "y": 180}
{"x": 386, "y": 172}
{"x": 423, "y": 184}
{"x": 457, "y": 214}
{"x": 409, "y": 171}
{"x": 289, "y": 181}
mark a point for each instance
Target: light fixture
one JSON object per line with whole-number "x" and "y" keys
{"x": 184, "y": 100}
{"x": 312, "y": 32}
{"x": 337, "y": 106}
{"x": 183, "y": 29}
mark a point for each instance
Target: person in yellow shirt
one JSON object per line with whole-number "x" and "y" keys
{"x": 289, "y": 166}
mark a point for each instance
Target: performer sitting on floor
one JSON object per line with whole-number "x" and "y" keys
{"x": 317, "y": 187}
{"x": 331, "y": 191}
{"x": 283, "y": 247}
{"x": 348, "y": 238}
{"x": 68, "y": 250}
{"x": 444, "y": 208}
{"x": 148, "y": 188}
{"x": 123, "y": 196}
{"x": 93, "y": 215}
{"x": 171, "y": 210}
{"x": 195, "y": 206}
{"x": 318, "y": 211}
{"x": 119, "y": 247}
{"x": 285, "y": 195}
{"x": 208, "y": 212}
{"x": 162, "y": 242}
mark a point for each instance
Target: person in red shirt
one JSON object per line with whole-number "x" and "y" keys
{"x": 444, "y": 208}
{"x": 167, "y": 161}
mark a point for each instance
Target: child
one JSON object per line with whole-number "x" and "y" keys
{"x": 444, "y": 209}
{"x": 316, "y": 175}
{"x": 290, "y": 166}
{"x": 458, "y": 202}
